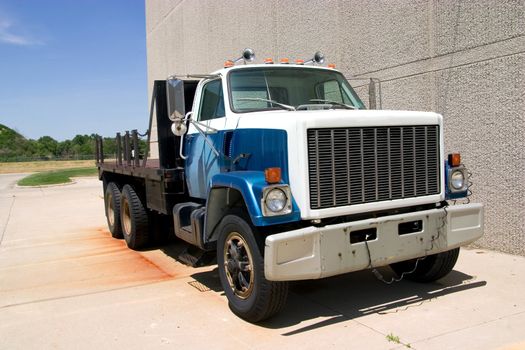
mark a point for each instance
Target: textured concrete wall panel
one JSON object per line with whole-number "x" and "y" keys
{"x": 484, "y": 115}
{"x": 245, "y": 24}
{"x": 304, "y": 27}
{"x": 195, "y": 35}
{"x": 460, "y": 25}
{"x": 392, "y": 32}
{"x": 157, "y": 10}
{"x": 174, "y": 44}
{"x": 411, "y": 94}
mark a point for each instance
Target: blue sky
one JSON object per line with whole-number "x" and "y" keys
{"x": 72, "y": 67}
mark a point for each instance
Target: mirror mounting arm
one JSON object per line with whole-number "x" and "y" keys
{"x": 180, "y": 126}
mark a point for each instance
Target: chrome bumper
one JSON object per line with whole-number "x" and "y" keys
{"x": 318, "y": 252}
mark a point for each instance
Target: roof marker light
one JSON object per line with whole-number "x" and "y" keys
{"x": 285, "y": 60}
{"x": 299, "y": 61}
{"x": 331, "y": 65}
{"x": 268, "y": 60}
{"x": 228, "y": 64}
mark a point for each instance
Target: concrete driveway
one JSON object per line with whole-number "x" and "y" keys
{"x": 65, "y": 283}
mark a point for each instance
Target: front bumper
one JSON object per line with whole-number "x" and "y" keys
{"x": 318, "y": 252}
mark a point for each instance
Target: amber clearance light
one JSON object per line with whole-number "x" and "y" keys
{"x": 272, "y": 175}
{"x": 454, "y": 159}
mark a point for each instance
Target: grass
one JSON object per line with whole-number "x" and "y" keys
{"x": 56, "y": 176}
{"x": 395, "y": 339}
{"x": 31, "y": 167}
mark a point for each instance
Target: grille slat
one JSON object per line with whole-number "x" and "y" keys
{"x": 360, "y": 165}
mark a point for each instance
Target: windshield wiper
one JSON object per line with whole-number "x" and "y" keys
{"x": 333, "y": 103}
{"x": 282, "y": 105}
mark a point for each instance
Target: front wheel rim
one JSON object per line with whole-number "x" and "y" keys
{"x": 238, "y": 265}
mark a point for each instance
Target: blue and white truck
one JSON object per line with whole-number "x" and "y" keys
{"x": 281, "y": 171}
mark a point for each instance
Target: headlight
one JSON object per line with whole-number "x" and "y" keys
{"x": 457, "y": 180}
{"x": 276, "y": 200}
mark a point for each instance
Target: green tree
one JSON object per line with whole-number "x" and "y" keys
{"x": 47, "y": 147}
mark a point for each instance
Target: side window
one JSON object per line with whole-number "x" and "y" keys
{"x": 212, "y": 101}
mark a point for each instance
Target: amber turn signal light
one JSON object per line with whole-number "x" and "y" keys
{"x": 272, "y": 175}
{"x": 454, "y": 159}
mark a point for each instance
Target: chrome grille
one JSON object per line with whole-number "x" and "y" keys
{"x": 360, "y": 165}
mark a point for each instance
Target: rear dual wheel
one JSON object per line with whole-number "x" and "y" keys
{"x": 112, "y": 205}
{"x": 134, "y": 219}
{"x": 429, "y": 269}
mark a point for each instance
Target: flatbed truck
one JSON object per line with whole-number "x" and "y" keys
{"x": 281, "y": 171}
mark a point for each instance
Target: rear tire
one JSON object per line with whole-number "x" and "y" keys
{"x": 429, "y": 269}
{"x": 241, "y": 269}
{"x": 134, "y": 219}
{"x": 112, "y": 205}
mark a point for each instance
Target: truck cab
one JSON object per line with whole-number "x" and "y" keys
{"x": 286, "y": 175}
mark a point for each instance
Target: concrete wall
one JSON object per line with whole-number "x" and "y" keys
{"x": 464, "y": 59}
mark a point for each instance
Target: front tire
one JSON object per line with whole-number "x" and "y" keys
{"x": 134, "y": 219}
{"x": 112, "y": 205}
{"x": 429, "y": 269}
{"x": 241, "y": 269}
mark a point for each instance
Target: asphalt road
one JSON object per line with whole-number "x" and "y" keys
{"x": 65, "y": 283}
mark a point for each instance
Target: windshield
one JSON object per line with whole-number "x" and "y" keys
{"x": 253, "y": 89}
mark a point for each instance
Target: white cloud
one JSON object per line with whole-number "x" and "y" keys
{"x": 8, "y": 35}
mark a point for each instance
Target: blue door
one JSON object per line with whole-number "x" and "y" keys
{"x": 202, "y": 162}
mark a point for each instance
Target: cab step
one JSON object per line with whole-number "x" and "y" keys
{"x": 188, "y": 221}
{"x": 195, "y": 257}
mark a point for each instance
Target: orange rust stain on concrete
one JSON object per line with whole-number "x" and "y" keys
{"x": 175, "y": 269}
{"x": 83, "y": 262}
{"x": 135, "y": 262}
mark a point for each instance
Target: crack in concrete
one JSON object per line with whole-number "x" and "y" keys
{"x": 7, "y": 220}
{"x": 86, "y": 294}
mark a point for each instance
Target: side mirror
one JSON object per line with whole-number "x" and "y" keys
{"x": 175, "y": 97}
